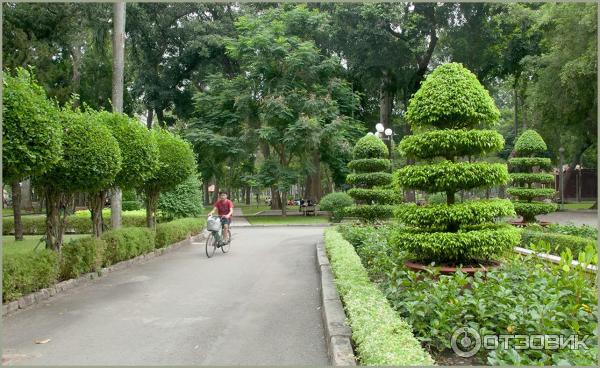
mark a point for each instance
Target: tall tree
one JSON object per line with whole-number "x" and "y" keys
{"x": 117, "y": 93}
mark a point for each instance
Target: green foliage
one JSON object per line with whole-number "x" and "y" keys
{"x": 370, "y": 146}
{"x": 438, "y": 216}
{"x": 28, "y": 272}
{"x": 31, "y": 134}
{"x": 370, "y": 213}
{"x": 522, "y": 297}
{"x": 185, "y": 200}
{"x": 91, "y": 155}
{"x": 451, "y": 176}
{"x": 530, "y": 143}
{"x": 367, "y": 165}
{"x": 139, "y": 150}
{"x": 176, "y": 162}
{"x": 528, "y": 162}
{"x": 126, "y": 243}
{"x": 451, "y": 97}
{"x": 131, "y": 205}
{"x": 381, "y": 337}
{"x": 529, "y": 178}
{"x": 81, "y": 256}
{"x": 368, "y": 180}
{"x": 370, "y": 244}
{"x": 335, "y": 203}
{"x": 178, "y": 230}
{"x": 531, "y": 209}
{"x": 558, "y": 243}
{"x": 482, "y": 243}
{"x": 530, "y": 193}
{"x": 451, "y": 143}
{"x": 584, "y": 231}
{"x": 381, "y": 196}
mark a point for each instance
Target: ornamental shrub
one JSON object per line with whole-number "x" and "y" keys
{"x": 24, "y": 273}
{"x": 336, "y": 203}
{"x": 371, "y": 181}
{"x": 447, "y": 108}
{"x": 529, "y": 145}
{"x": 185, "y": 200}
{"x": 81, "y": 256}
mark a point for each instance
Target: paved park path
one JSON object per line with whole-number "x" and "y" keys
{"x": 257, "y": 305}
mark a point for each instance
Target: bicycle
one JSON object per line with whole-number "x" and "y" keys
{"x": 215, "y": 238}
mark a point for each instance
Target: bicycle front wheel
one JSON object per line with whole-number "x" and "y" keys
{"x": 211, "y": 245}
{"x": 225, "y": 247}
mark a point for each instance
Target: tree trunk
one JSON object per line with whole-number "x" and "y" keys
{"x": 54, "y": 222}
{"x": 248, "y": 195}
{"x": 516, "y": 108}
{"x": 386, "y": 98}
{"x": 96, "y": 206}
{"x": 275, "y": 199}
{"x": 26, "y": 195}
{"x": 576, "y": 159}
{"x": 284, "y": 203}
{"x": 76, "y": 56}
{"x": 149, "y": 118}
{"x": 151, "y": 201}
{"x": 160, "y": 117}
{"x": 16, "y": 202}
{"x": 206, "y": 193}
{"x": 117, "y": 98}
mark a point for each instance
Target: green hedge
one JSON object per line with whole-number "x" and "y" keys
{"x": 79, "y": 223}
{"x": 558, "y": 242}
{"x": 370, "y": 213}
{"x": 530, "y": 209}
{"x": 380, "y": 335}
{"x": 528, "y": 162}
{"x": 530, "y": 193}
{"x": 335, "y": 203}
{"x": 126, "y": 243}
{"x": 451, "y": 143}
{"x": 81, "y": 256}
{"x": 527, "y": 178}
{"x": 370, "y": 146}
{"x": 28, "y": 272}
{"x": 178, "y": 230}
{"x": 369, "y": 179}
{"x": 381, "y": 196}
{"x": 530, "y": 143}
{"x": 367, "y": 165}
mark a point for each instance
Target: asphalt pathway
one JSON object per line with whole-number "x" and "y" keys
{"x": 257, "y": 305}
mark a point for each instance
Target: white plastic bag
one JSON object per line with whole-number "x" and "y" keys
{"x": 213, "y": 223}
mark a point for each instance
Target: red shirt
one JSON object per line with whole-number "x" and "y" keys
{"x": 224, "y": 206}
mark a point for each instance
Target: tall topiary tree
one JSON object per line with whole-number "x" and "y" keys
{"x": 90, "y": 162}
{"x": 176, "y": 164}
{"x": 528, "y": 147}
{"x": 370, "y": 175}
{"x": 31, "y": 134}
{"x": 448, "y": 107}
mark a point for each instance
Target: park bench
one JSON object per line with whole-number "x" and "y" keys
{"x": 306, "y": 209}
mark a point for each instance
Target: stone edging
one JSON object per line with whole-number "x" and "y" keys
{"x": 36, "y": 297}
{"x": 338, "y": 334}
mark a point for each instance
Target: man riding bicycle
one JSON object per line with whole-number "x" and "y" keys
{"x": 224, "y": 208}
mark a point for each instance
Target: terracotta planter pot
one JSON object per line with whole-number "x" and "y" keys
{"x": 468, "y": 269}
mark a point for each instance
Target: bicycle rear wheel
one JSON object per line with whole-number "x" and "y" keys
{"x": 225, "y": 247}
{"x": 211, "y": 245}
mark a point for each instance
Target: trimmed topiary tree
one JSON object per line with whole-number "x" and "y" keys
{"x": 370, "y": 177}
{"x": 90, "y": 162}
{"x": 176, "y": 164}
{"x": 449, "y": 105}
{"x": 336, "y": 203}
{"x": 31, "y": 134}
{"x": 527, "y": 147}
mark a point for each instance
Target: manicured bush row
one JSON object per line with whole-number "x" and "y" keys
{"x": 335, "y": 203}
{"x": 558, "y": 242}
{"x": 25, "y": 273}
{"x": 77, "y": 224}
{"x": 28, "y": 272}
{"x": 381, "y": 336}
{"x": 174, "y": 231}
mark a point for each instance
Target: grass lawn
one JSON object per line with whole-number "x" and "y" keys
{"x": 289, "y": 220}
{"x": 584, "y": 205}
{"x": 10, "y": 246}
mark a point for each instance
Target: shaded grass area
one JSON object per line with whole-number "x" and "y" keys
{"x": 585, "y": 205}
{"x": 11, "y": 246}
{"x": 288, "y": 220}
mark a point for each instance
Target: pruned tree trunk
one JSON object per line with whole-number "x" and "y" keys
{"x": 206, "y": 193}
{"x": 96, "y": 206}
{"x": 149, "y": 118}
{"x": 55, "y": 223}
{"x": 275, "y": 199}
{"x": 117, "y": 96}
{"x": 284, "y": 203}
{"x": 16, "y": 203}
{"x": 151, "y": 201}
{"x": 248, "y": 195}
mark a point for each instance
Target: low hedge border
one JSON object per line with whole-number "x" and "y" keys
{"x": 381, "y": 336}
{"x": 80, "y": 266}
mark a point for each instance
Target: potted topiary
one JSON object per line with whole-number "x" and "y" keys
{"x": 446, "y": 110}
{"x": 370, "y": 177}
{"x": 528, "y": 147}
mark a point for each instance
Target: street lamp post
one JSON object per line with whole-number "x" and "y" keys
{"x": 578, "y": 184}
{"x": 561, "y": 152}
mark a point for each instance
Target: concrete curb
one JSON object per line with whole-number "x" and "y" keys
{"x": 338, "y": 334}
{"x": 36, "y": 297}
